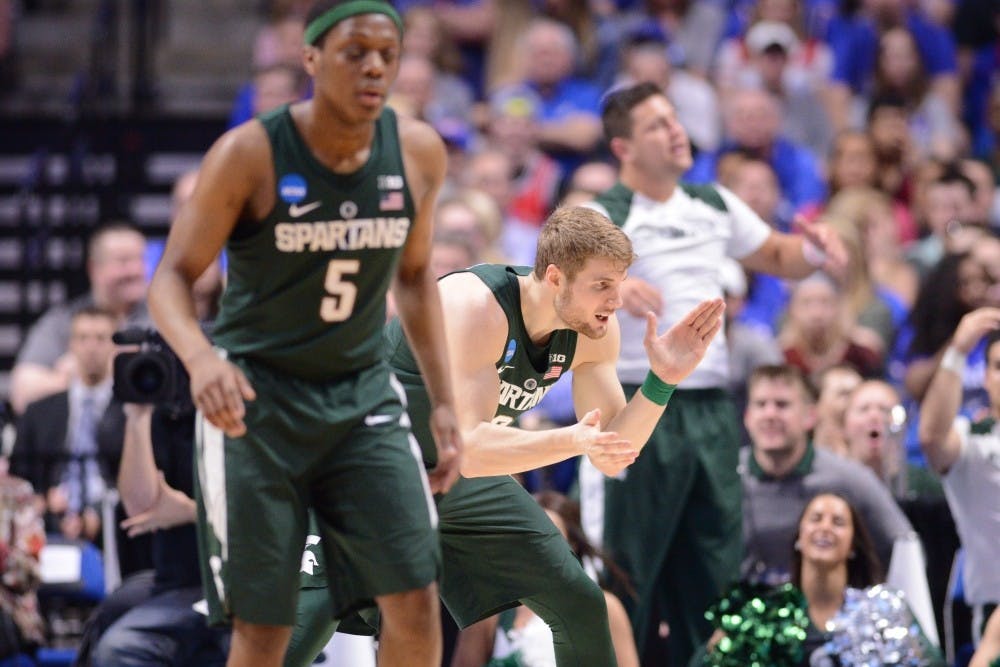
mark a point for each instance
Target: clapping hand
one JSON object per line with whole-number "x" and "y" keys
{"x": 608, "y": 451}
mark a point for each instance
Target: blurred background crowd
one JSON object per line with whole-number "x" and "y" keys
{"x": 878, "y": 117}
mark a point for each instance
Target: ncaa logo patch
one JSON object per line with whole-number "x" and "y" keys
{"x": 511, "y": 347}
{"x": 292, "y": 188}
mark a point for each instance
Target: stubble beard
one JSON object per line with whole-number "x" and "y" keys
{"x": 571, "y": 319}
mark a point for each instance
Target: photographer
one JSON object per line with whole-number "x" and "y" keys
{"x": 150, "y": 619}
{"x": 156, "y": 483}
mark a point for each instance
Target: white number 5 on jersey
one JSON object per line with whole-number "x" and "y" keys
{"x": 338, "y": 306}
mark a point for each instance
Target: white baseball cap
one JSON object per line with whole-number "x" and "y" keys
{"x": 765, "y": 34}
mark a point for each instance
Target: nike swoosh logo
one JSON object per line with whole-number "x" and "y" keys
{"x": 297, "y": 211}
{"x": 375, "y": 420}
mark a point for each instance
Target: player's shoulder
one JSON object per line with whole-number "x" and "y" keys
{"x": 247, "y": 136}
{"x": 423, "y": 153}
{"x": 419, "y": 137}
{"x": 466, "y": 299}
{"x": 475, "y": 323}
{"x": 244, "y": 147}
{"x": 465, "y": 288}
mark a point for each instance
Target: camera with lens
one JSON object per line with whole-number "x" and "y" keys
{"x": 153, "y": 374}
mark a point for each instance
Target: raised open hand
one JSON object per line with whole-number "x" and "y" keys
{"x": 673, "y": 355}
{"x": 974, "y": 326}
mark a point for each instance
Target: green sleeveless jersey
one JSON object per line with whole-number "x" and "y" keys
{"x": 306, "y": 286}
{"x": 527, "y": 371}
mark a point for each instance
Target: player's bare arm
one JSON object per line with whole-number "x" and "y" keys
{"x": 477, "y": 333}
{"x": 232, "y": 171}
{"x": 797, "y": 255}
{"x": 417, "y": 299}
{"x": 672, "y": 355}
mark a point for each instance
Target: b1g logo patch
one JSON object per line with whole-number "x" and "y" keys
{"x": 292, "y": 188}
{"x": 390, "y": 182}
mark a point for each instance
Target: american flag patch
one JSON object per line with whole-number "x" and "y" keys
{"x": 553, "y": 372}
{"x": 391, "y": 201}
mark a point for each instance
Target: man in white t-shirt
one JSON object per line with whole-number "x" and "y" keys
{"x": 673, "y": 519}
{"x": 967, "y": 456}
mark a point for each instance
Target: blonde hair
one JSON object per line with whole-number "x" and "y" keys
{"x": 489, "y": 220}
{"x": 504, "y": 60}
{"x": 574, "y": 234}
{"x": 856, "y": 204}
{"x": 856, "y": 285}
{"x": 486, "y": 209}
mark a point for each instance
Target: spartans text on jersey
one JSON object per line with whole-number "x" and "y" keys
{"x": 341, "y": 234}
{"x": 519, "y": 398}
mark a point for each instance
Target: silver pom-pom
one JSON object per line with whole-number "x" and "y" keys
{"x": 875, "y": 628}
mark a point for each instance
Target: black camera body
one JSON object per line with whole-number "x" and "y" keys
{"x": 153, "y": 374}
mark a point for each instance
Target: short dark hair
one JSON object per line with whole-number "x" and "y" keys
{"x": 952, "y": 174}
{"x": 616, "y": 108}
{"x": 864, "y": 569}
{"x": 885, "y": 101}
{"x": 319, "y": 8}
{"x": 786, "y": 373}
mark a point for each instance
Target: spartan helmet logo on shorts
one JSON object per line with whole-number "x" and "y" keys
{"x": 309, "y": 560}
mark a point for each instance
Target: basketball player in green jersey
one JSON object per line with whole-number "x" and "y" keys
{"x": 320, "y": 205}
{"x": 512, "y": 332}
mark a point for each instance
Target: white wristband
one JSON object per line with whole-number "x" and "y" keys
{"x": 813, "y": 255}
{"x": 953, "y": 361}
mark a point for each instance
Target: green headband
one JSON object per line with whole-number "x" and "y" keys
{"x": 324, "y": 22}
